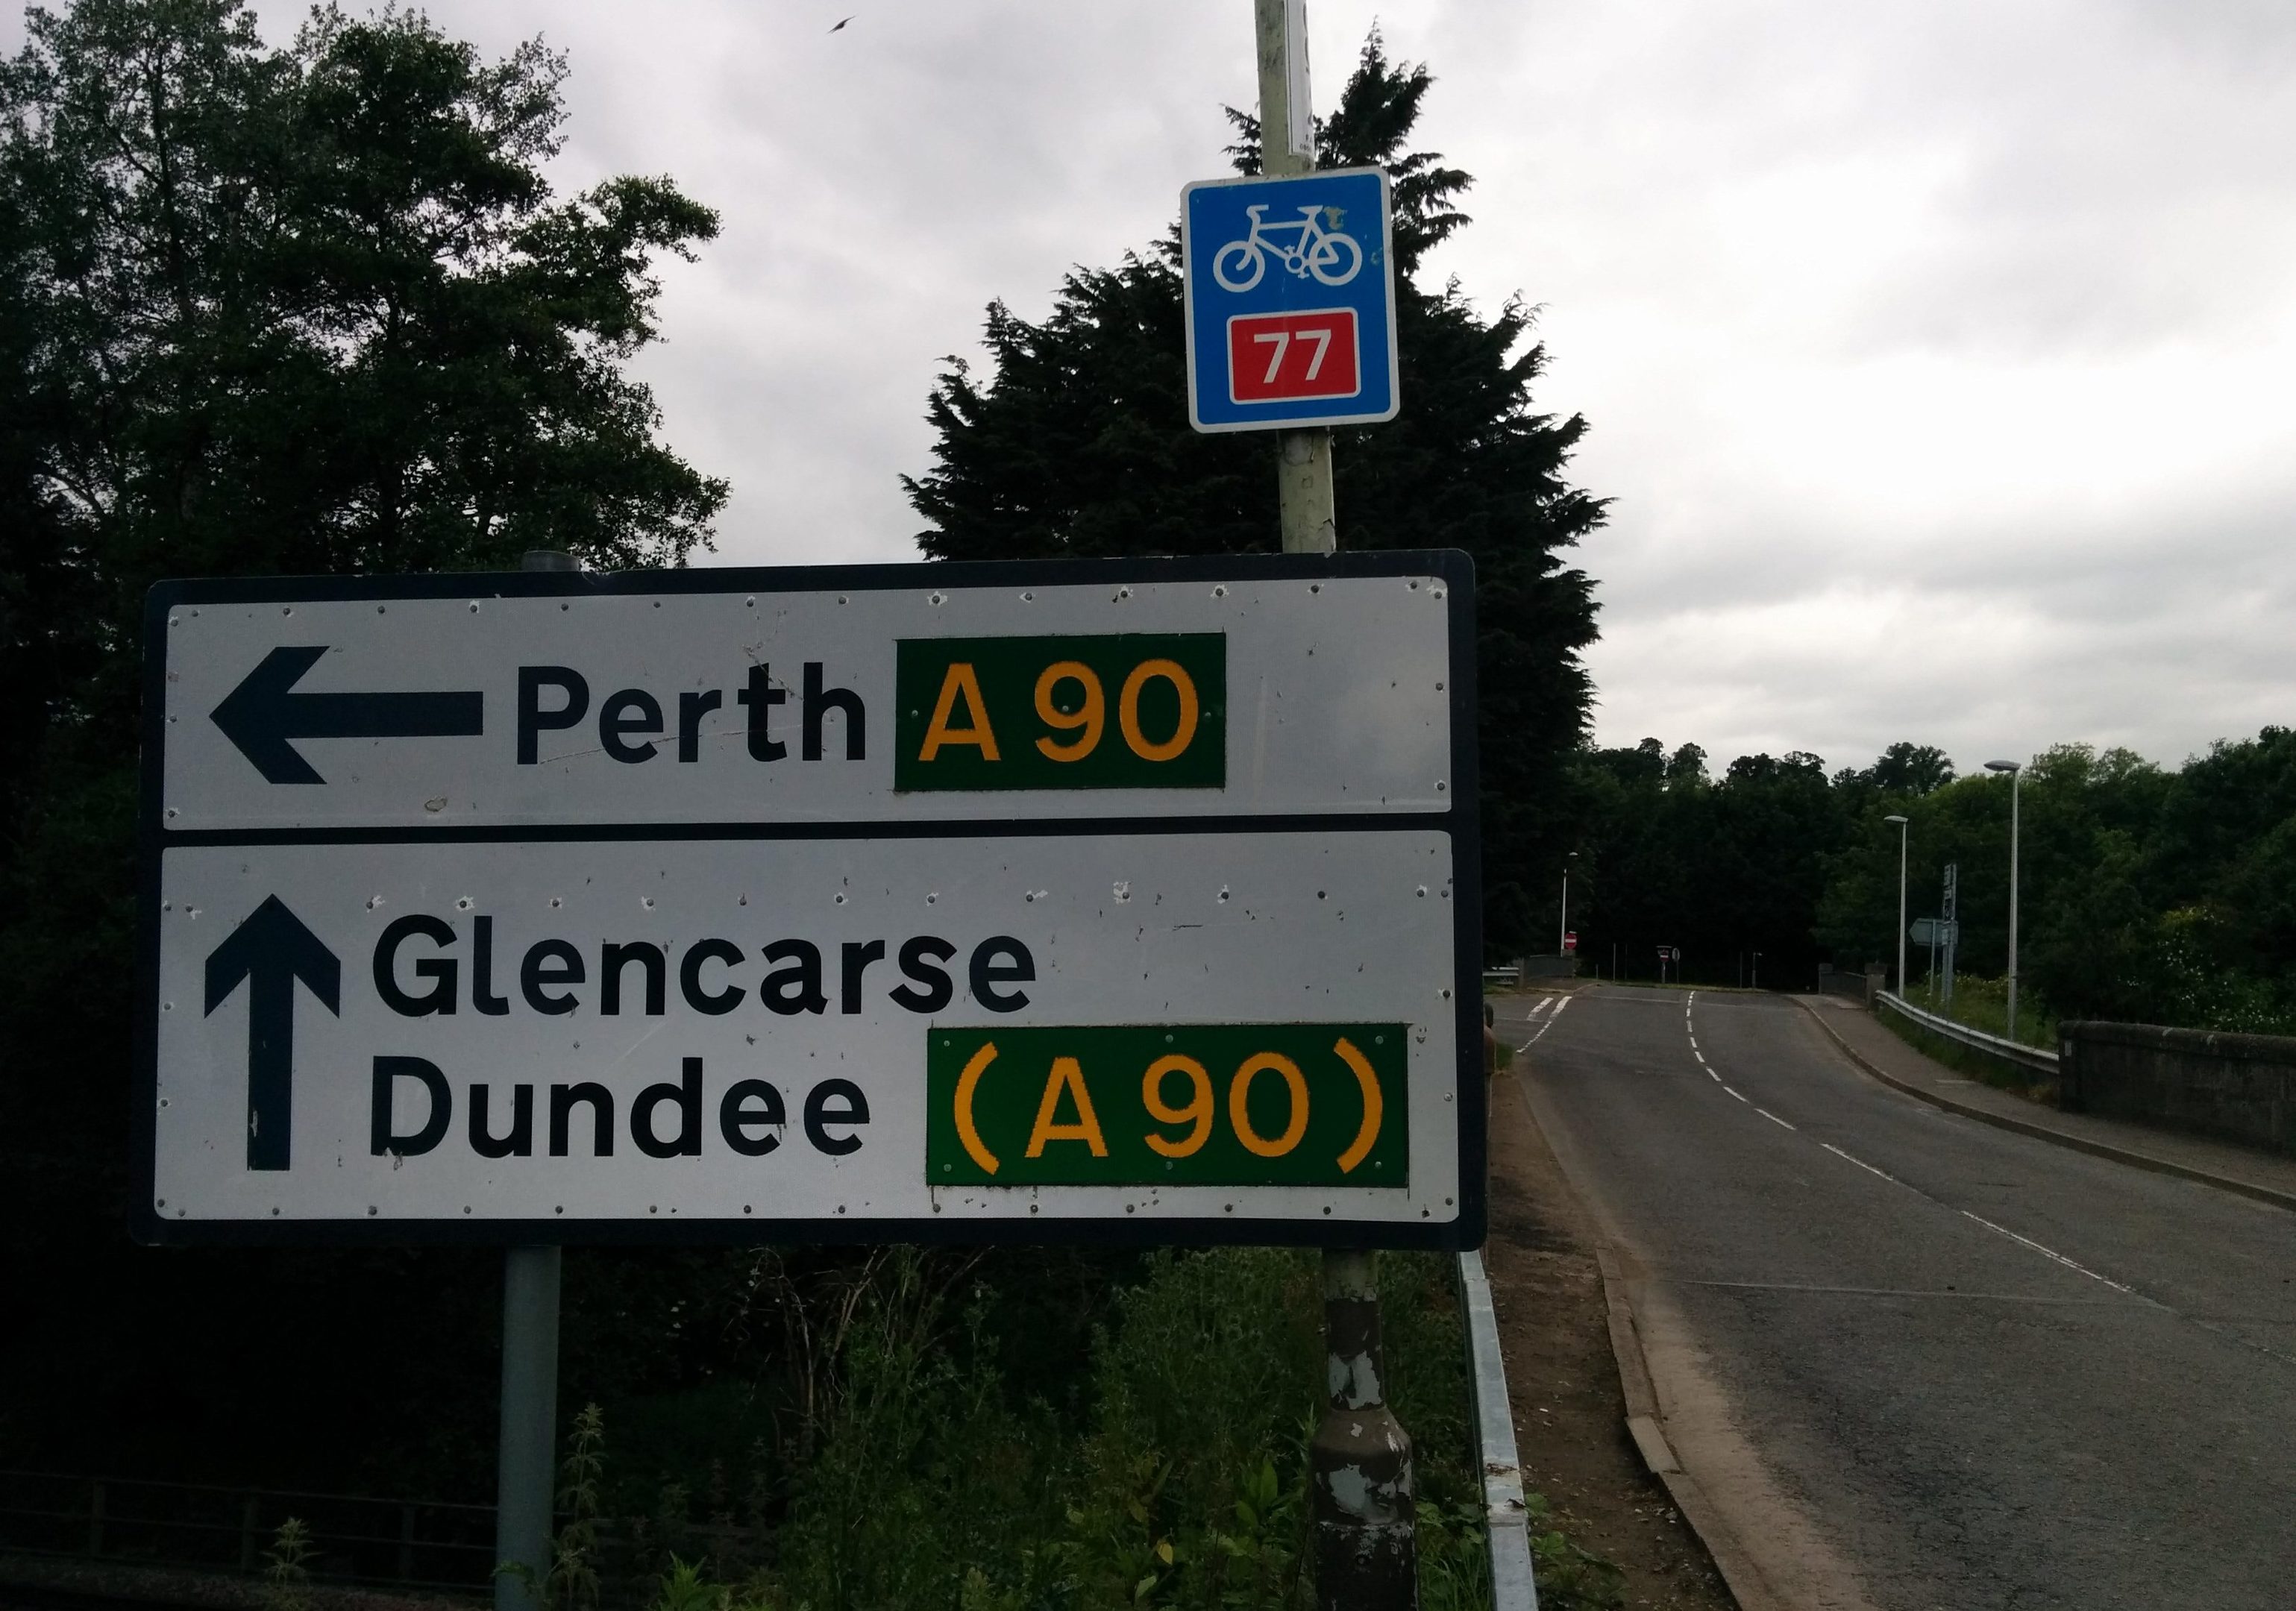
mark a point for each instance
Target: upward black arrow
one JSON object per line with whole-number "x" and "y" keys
{"x": 263, "y": 713}
{"x": 271, "y": 950}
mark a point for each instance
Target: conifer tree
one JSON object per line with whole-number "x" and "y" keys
{"x": 1077, "y": 444}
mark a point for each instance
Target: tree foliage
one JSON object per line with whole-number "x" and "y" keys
{"x": 1077, "y": 444}
{"x": 2145, "y": 895}
{"x": 262, "y": 310}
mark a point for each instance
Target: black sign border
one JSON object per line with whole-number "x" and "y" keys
{"x": 1462, "y": 823}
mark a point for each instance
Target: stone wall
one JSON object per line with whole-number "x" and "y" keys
{"x": 2240, "y": 1087}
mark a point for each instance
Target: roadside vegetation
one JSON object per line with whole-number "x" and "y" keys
{"x": 2148, "y": 895}
{"x": 930, "y": 1459}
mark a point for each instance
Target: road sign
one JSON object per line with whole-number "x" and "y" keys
{"x": 968, "y": 903}
{"x": 1290, "y": 301}
{"x": 1934, "y": 931}
{"x": 1569, "y": 942}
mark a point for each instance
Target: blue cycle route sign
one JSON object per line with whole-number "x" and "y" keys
{"x": 1291, "y": 300}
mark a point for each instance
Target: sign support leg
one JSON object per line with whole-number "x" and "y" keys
{"x": 1366, "y": 1551}
{"x": 527, "y": 1461}
{"x": 1366, "y": 1547}
{"x": 526, "y": 1469}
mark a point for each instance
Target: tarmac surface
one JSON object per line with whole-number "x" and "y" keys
{"x": 1918, "y": 1360}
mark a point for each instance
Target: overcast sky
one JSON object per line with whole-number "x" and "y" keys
{"x": 1940, "y": 359}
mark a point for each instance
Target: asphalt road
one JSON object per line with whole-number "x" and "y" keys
{"x": 1987, "y": 1370}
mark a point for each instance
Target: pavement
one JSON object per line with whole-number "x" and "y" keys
{"x": 1915, "y": 1359}
{"x": 1881, "y": 1052}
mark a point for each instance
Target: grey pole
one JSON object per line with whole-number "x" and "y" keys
{"x": 526, "y": 1468}
{"x": 2016, "y": 771}
{"x": 1900, "y": 821}
{"x": 1366, "y": 1552}
{"x": 1287, "y": 146}
{"x": 1562, "y": 929}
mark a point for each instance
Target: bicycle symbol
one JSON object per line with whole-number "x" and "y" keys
{"x": 1332, "y": 258}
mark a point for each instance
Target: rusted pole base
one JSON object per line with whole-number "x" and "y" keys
{"x": 1366, "y": 1551}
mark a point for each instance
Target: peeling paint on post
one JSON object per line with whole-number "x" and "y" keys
{"x": 1366, "y": 1557}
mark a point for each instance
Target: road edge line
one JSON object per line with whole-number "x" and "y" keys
{"x": 1742, "y": 1574}
{"x": 2002, "y": 1121}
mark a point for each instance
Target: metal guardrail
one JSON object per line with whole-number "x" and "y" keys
{"x": 2025, "y": 1056}
{"x": 1508, "y": 1519}
{"x": 1506, "y": 974}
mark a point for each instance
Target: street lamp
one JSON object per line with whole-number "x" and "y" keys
{"x": 1562, "y": 929}
{"x": 2016, "y": 775}
{"x": 1900, "y": 821}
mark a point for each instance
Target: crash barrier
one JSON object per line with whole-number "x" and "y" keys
{"x": 2237, "y": 1087}
{"x": 2028, "y": 1060}
{"x": 1512, "y": 1588}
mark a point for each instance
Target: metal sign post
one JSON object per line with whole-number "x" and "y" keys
{"x": 1313, "y": 291}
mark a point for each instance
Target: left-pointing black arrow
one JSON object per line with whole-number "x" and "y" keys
{"x": 271, "y": 951}
{"x": 264, "y": 711}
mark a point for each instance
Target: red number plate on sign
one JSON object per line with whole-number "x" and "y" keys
{"x": 1276, "y": 357}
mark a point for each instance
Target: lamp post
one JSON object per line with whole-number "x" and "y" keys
{"x": 1562, "y": 929}
{"x": 2016, "y": 771}
{"x": 1900, "y": 821}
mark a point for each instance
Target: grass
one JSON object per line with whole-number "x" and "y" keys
{"x": 939, "y": 1476}
{"x": 1983, "y": 1004}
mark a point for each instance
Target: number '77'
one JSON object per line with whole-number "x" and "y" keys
{"x": 1282, "y": 339}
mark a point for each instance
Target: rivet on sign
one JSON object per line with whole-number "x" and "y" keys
{"x": 840, "y": 598}
{"x": 1438, "y": 688}
{"x": 372, "y": 1211}
{"x": 1319, "y": 895}
{"x": 1220, "y": 591}
{"x": 932, "y": 897}
{"x": 163, "y": 1202}
{"x": 1327, "y": 1207}
{"x": 167, "y": 1007}
{"x": 745, "y": 1208}
{"x": 379, "y": 610}
{"x": 1415, "y": 587}
{"x": 1422, "y": 892}
{"x": 748, "y": 604}
{"x": 466, "y": 1207}
{"x": 840, "y": 899}
{"x": 1227, "y": 1208}
{"x": 1315, "y": 587}
{"x": 1441, "y": 786}
{"x": 1438, "y": 593}
{"x": 474, "y": 607}
{"x": 651, "y": 1209}
{"x": 565, "y": 607}
{"x": 1032, "y": 1208}
{"x": 171, "y": 621}
{"x": 274, "y": 1213}
{"x": 1447, "y": 994}
{"x": 560, "y": 1209}
{"x": 936, "y": 1207}
{"x": 287, "y": 610}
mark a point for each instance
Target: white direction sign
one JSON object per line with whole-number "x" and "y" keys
{"x": 963, "y": 903}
